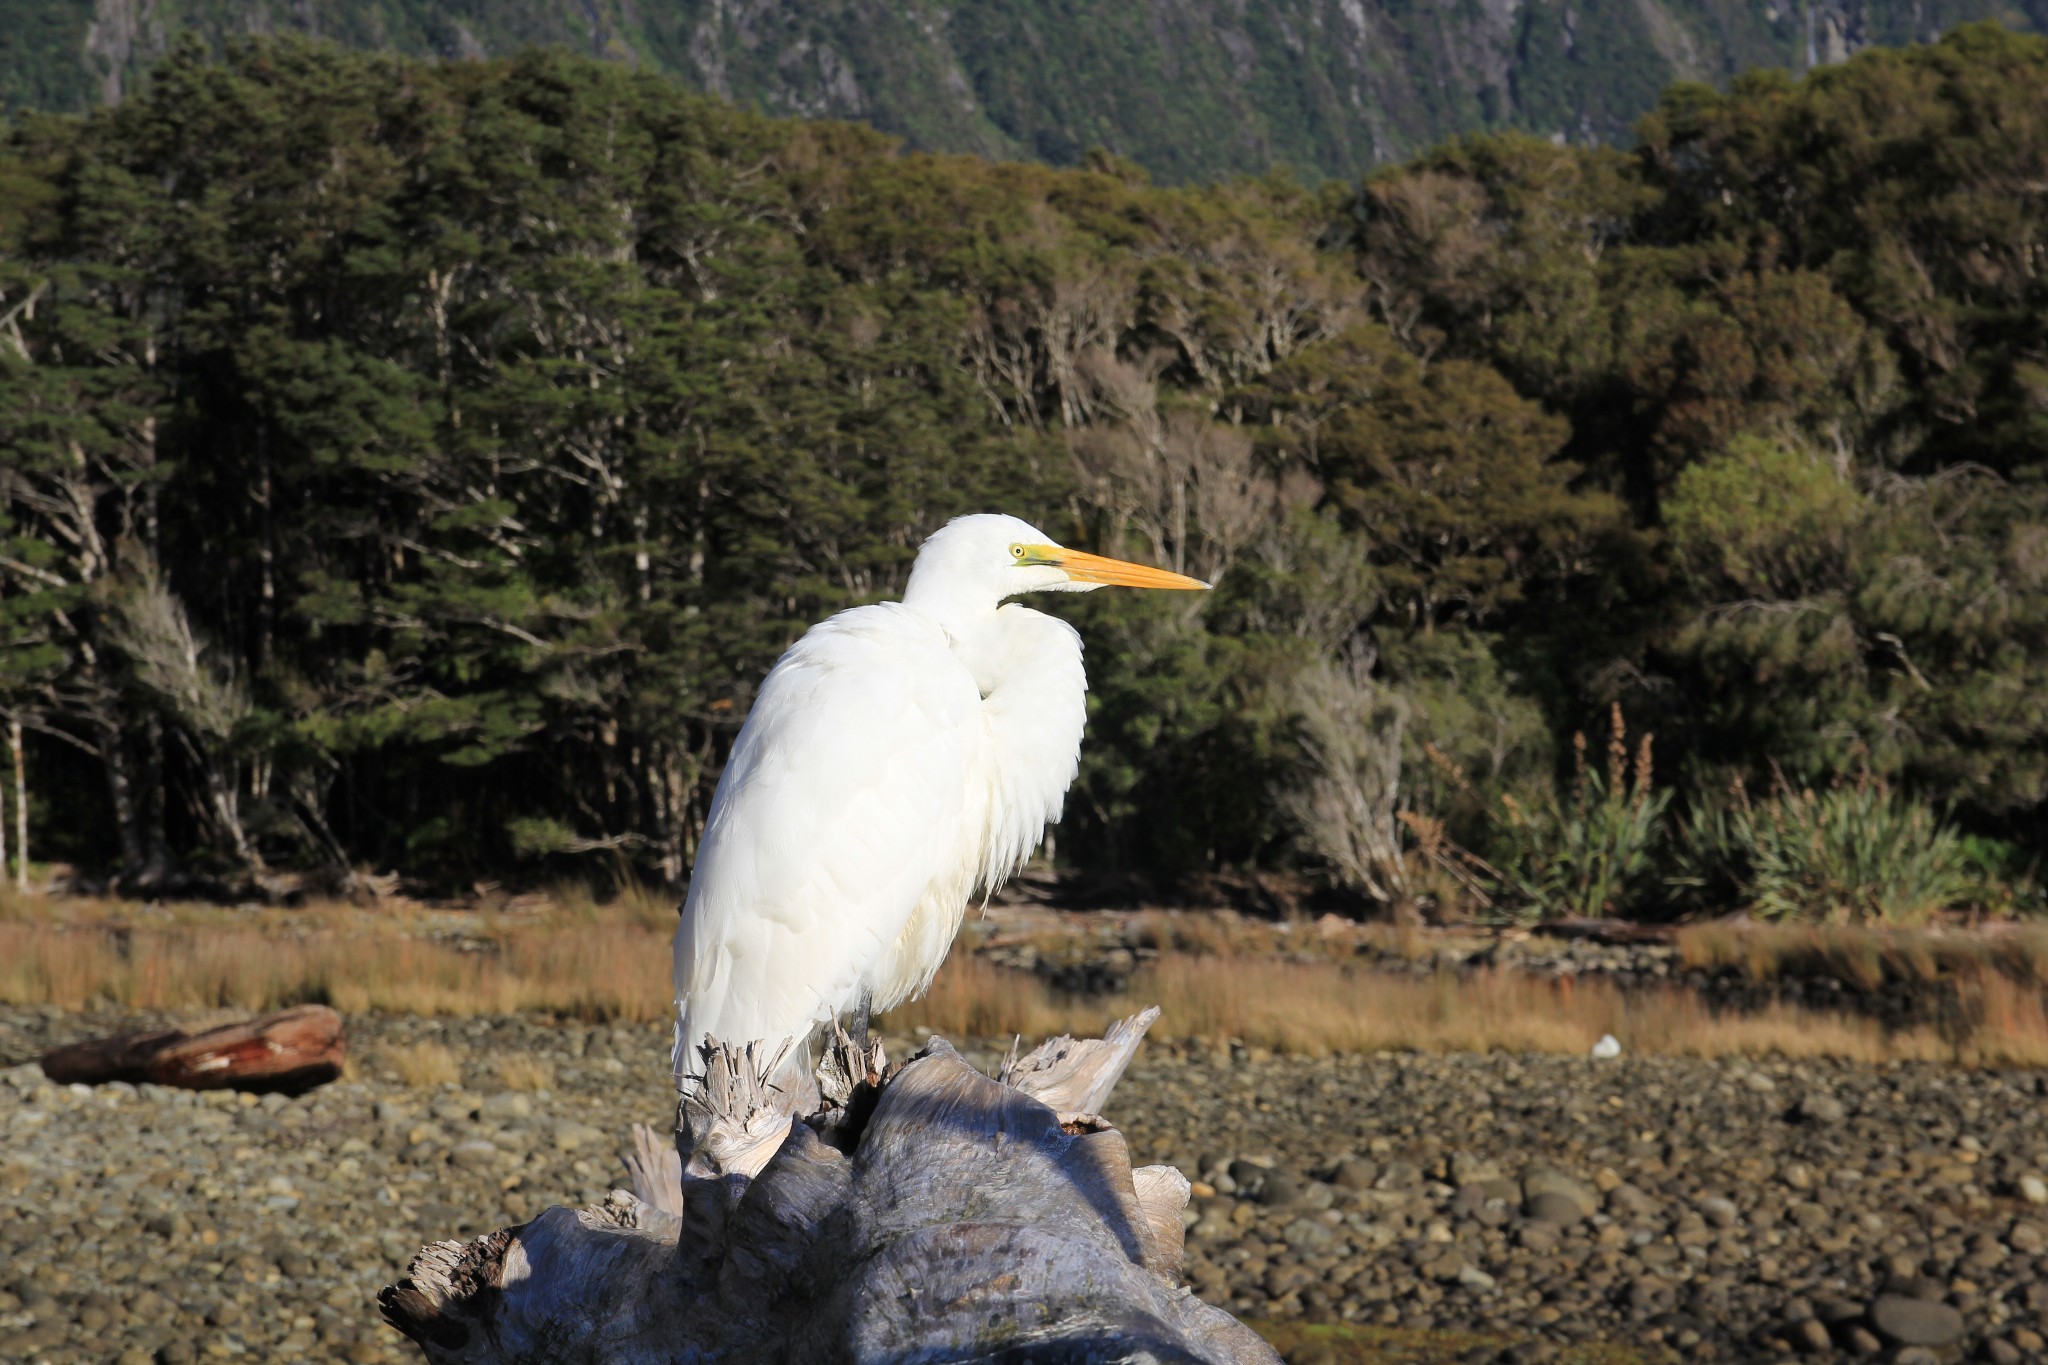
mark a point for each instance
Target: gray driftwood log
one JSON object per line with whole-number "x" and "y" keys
{"x": 928, "y": 1214}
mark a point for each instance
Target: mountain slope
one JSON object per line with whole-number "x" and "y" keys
{"x": 1189, "y": 89}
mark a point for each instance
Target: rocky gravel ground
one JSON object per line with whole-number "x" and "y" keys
{"x": 1505, "y": 1208}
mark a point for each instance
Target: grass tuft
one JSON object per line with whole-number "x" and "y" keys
{"x": 521, "y": 1072}
{"x": 423, "y": 1065}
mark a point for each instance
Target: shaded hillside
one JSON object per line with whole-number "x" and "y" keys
{"x": 1189, "y": 89}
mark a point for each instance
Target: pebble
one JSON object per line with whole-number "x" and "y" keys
{"x": 1722, "y": 1213}
{"x": 1820, "y": 1107}
{"x": 1915, "y": 1322}
{"x": 1811, "y": 1335}
{"x": 1551, "y": 1207}
{"x": 1551, "y": 1182}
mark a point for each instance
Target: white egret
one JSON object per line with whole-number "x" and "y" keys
{"x": 898, "y": 759}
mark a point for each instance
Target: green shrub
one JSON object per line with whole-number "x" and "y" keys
{"x": 1855, "y": 853}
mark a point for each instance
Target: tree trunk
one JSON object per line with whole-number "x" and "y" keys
{"x": 14, "y": 734}
{"x": 292, "y": 1051}
{"x": 113, "y": 748}
{"x": 20, "y": 809}
{"x": 928, "y": 1214}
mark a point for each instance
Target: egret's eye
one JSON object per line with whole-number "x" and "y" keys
{"x": 1016, "y": 552}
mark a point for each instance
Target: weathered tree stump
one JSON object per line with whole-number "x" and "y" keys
{"x": 927, "y": 1213}
{"x": 290, "y": 1051}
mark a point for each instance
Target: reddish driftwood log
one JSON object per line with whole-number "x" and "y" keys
{"x": 292, "y": 1051}
{"x": 928, "y": 1214}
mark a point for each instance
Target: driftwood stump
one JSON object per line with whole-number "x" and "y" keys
{"x": 927, "y": 1213}
{"x": 291, "y": 1051}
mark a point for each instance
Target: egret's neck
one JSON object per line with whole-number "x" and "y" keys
{"x": 967, "y": 611}
{"x": 968, "y": 618}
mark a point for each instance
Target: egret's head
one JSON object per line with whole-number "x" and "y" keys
{"x": 992, "y": 557}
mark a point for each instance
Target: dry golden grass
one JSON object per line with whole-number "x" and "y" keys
{"x": 521, "y": 1072}
{"x": 1868, "y": 957}
{"x": 1316, "y": 1008}
{"x": 1215, "y": 979}
{"x": 595, "y": 969}
{"x": 422, "y": 1065}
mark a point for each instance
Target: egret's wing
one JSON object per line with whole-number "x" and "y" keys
{"x": 840, "y": 804}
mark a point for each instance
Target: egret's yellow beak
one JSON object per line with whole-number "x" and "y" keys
{"x": 1086, "y": 568}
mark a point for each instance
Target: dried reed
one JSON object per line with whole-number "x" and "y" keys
{"x": 606, "y": 963}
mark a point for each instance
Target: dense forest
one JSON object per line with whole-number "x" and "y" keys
{"x": 412, "y": 466}
{"x": 1192, "y": 90}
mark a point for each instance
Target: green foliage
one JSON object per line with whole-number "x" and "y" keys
{"x": 1856, "y": 852}
{"x": 416, "y": 465}
{"x": 1591, "y": 852}
{"x": 1447, "y": 472}
{"x": 1763, "y": 518}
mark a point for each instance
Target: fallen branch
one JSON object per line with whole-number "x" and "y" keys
{"x": 292, "y": 1051}
{"x": 929, "y": 1214}
{"x": 1606, "y": 931}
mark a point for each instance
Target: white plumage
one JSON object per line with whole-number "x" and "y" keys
{"x": 899, "y": 759}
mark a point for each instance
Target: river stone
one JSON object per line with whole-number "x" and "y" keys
{"x": 505, "y": 1106}
{"x": 475, "y": 1155}
{"x": 1627, "y": 1201}
{"x": 1467, "y": 1169}
{"x": 1915, "y": 1287}
{"x": 1279, "y": 1188}
{"x": 1915, "y": 1322}
{"x": 1307, "y": 1234}
{"x": 1817, "y": 1106}
{"x": 1552, "y": 1207}
{"x": 1722, "y": 1213}
{"x": 1554, "y": 1182}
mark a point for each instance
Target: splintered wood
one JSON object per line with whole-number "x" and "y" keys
{"x": 866, "y": 1214}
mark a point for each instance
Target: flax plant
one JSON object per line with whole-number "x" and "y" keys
{"x": 1854, "y": 853}
{"x": 1594, "y": 852}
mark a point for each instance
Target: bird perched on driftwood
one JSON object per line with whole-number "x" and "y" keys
{"x": 898, "y": 759}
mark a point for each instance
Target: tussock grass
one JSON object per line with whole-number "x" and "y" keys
{"x": 423, "y": 1065}
{"x": 1212, "y": 981}
{"x": 521, "y": 1072}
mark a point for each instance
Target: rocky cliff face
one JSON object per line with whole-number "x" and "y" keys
{"x": 1189, "y": 89}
